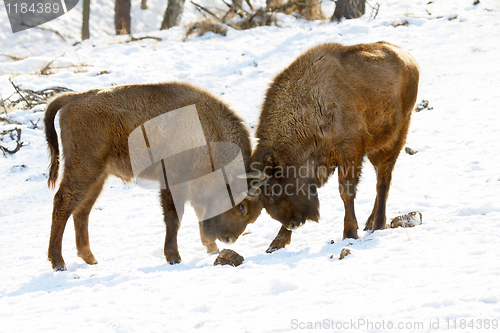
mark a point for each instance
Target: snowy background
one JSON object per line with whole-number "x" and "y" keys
{"x": 447, "y": 268}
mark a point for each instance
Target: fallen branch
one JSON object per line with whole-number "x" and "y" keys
{"x": 290, "y": 4}
{"x": 134, "y": 39}
{"x": 34, "y": 125}
{"x": 16, "y": 58}
{"x": 225, "y": 15}
{"x": 262, "y": 16}
{"x": 30, "y": 97}
{"x": 3, "y": 105}
{"x": 47, "y": 70}
{"x": 10, "y": 121}
{"x": 19, "y": 144}
{"x": 260, "y": 11}
{"x": 236, "y": 9}
{"x": 201, "y": 8}
{"x": 46, "y": 29}
{"x": 375, "y": 9}
{"x": 249, "y": 4}
{"x": 17, "y": 90}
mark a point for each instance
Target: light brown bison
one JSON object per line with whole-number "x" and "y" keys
{"x": 331, "y": 107}
{"x": 95, "y": 127}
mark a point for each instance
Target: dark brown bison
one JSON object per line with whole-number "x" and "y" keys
{"x": 95, "y": 128}
{"x": 331, "y": 107}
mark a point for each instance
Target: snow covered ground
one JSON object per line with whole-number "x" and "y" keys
{"x": 445, "y": 269}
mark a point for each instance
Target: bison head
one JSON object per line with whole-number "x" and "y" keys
{"x": 291, "y": 200}
{"x": 228, "y": 226}
{"x": 289, "y": 193}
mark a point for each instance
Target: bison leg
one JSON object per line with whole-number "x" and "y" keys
{"x": 377, "y": 219}
{"x": 172, "y": 222}
{"x": 209, "y": 244}
{"x": 63, "y": 206}
{"x": 282, "y": 239}
{"x": 384, "y": 162}
{"x": 348, "y": 181}
{"x": 369, "y": 222}
{"x": 69, "y": 196}
{"x": 81, "y": 220}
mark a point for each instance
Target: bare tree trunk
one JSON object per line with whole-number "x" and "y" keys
{"x": 143, "y": 4}
{"x": 173, "y": 14}
{"x": 86, "y": 17}
{"x": 122, "y": 17}
{"x": 349, "y": 9}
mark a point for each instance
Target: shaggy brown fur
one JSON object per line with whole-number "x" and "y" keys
{"x": 331, "y": 107}
{"x": 95, "y": 126}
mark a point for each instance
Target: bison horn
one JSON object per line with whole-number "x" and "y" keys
{"x": 254, "y": 189}
{"x": 253, "y": 175}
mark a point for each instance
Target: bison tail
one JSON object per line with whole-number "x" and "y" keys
{"x": 51, "y": 135}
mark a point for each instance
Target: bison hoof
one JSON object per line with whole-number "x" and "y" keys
{"x": 272, "y": 249}
{"x": 58, "y": 265}
{"x": 353, "y": 235}
{"x": 172, "y": 256}
{"x": 212, "y": 248}
{"x": 278, "y": 243}
{"x": 59, "y": 268}
{"x": 368, "y": 225}
{"x": 89, "y": 259}
{"x": 379, "y": 227}
{"x": 172, "y": 260}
